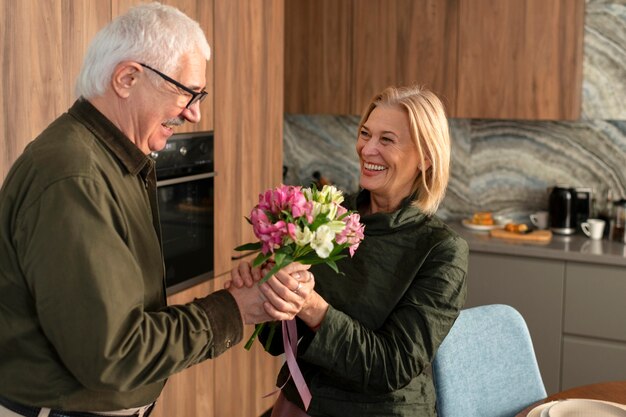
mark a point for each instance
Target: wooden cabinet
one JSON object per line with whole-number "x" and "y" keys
{"x": 318, "y": 56}
{"x": 248, "y": 150}
{"x": 43, "y": 45}
{"x": 513, "y": 59}
{"x": 402, "y": 42}
{"x": 520, "y": 59}
{"x": 534, "y": 287}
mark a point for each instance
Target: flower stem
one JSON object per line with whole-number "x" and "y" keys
{"x": 257, "y": 330}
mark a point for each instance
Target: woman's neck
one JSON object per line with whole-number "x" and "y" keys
{"x": 382, "y": 205}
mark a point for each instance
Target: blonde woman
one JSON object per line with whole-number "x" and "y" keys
{"x": 369, "y": 336}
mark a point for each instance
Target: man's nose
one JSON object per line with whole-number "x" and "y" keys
{"x": 192, "y": 113}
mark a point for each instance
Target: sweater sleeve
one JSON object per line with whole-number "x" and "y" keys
{"x": 385, "y": 359}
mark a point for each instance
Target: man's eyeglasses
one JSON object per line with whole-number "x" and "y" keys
{"x": 195, "y": 96}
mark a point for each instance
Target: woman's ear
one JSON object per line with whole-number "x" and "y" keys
{"x": 125, "y": 76}
{"x": 427, "y": 164}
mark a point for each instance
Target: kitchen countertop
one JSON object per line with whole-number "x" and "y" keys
{"x": 577, "y": 248}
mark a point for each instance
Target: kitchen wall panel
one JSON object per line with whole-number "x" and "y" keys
{"x": 43, "y": 44}
{"x": 248, "y": 148}
{"x": 604, "y": 63}
{"x": 504, "y": 166}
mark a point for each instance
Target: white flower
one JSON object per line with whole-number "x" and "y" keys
{"x": 335, "y": 195}
{"x": 322, "y": 241}
{"x": 330, "y": 194}
{"x": 332, "y": 211}
{"x": 308, "y": 193}
{"x": 303, "y": 236}
{"x": 317, "y": 209}
{"x": 336, "y": 226}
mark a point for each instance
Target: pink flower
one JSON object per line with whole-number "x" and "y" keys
{"x": 269, "y": 234}
{"x": 352, "y": 234}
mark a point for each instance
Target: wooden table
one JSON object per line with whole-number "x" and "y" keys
{"x": 606, "y": 391}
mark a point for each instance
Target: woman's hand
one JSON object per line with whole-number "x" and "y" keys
{"x": 285, "y": 293}
{"x": 287, "y": 290}
{"x": 313, "y": 311}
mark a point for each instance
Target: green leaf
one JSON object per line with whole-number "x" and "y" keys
{"x": 287, "y": 250}
{"x": 279, "y": 256}
{"x": 260, "y": 259}
{"x": 285, "y": 260}
{"x": 336, "y": 257}
{"x": 337, "y": 249}
{"x": 249, "y": 246}
{"x": 332, "y": 265}
{"x": 311, "y": 261}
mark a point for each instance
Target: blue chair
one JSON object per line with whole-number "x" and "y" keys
{"x": 486, "y": 365}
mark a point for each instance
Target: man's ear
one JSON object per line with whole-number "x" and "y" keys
{"x": 125, "y": 77}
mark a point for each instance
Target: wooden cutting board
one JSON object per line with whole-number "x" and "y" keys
{"x": 539, "y": 236}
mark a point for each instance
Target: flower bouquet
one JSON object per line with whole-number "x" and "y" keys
{"x": 306, "y": 225}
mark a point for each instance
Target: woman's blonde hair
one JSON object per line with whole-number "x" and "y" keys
{"x": 430, "y": 133}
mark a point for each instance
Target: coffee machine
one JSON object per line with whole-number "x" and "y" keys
{"x": 569, "y": 207}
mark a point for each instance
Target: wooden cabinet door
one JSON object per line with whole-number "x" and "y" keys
{"x": 403, "y": 42}
{"x": 190, "y": 393}
{"x": 520, "y": 59}
{"x": 248, "y": 160}
{"x": 44, "y": 44}
{"x": 505, "y": 59}
{"x": 318, "y": 56}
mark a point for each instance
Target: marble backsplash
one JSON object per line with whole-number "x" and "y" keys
{"x": 497, "y": 165}
{"x": 501, "y": 165}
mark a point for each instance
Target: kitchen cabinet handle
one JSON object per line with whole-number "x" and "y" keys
{"x": 188, "y": 178}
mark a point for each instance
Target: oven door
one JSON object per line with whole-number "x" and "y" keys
{"x": 186, "y": 214}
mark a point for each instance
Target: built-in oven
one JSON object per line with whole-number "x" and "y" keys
{"x": 185, "y": 182}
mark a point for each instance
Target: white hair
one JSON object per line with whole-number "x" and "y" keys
{"x": 151, "y": 34}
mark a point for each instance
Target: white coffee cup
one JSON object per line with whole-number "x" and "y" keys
{"x": 540, "y": 219}
{"x": 594, "y": 228}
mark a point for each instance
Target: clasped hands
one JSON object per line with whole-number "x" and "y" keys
{"x": 281, "y": 297}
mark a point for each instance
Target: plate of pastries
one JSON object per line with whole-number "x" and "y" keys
{"x": 484, "y": 221}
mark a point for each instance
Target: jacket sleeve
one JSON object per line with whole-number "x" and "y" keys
{"x": 388, "y": 358}
{"x": 92, "y": 302}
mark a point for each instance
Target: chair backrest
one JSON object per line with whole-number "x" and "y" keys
{"x": 486, "y": 365}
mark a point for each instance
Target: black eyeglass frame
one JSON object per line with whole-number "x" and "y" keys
{"x": 195, "y": 95}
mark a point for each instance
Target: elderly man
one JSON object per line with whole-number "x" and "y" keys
{"x": 84, "y": 325}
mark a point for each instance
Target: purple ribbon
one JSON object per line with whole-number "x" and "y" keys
{"x": 290, "y": 343}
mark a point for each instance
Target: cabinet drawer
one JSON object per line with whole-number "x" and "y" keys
{"x": 587, "y": 361}
{"x": 595, "y": 301}
{"x": 532, "y": 286}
